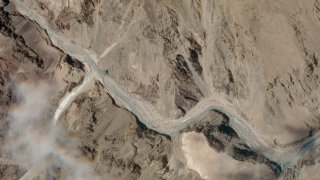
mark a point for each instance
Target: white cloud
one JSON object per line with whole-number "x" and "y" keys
{"x": 33, "y": 140}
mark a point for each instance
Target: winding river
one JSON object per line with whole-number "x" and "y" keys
{"x": 148, "y": 115}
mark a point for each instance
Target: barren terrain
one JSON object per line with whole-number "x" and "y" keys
{"x": 141, "y": 89}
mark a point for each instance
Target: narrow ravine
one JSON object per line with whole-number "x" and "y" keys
{"x": 147, "y": 114}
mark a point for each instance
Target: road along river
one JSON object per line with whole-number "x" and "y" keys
{"x": 147, "y": 114}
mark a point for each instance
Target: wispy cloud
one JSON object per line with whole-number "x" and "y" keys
{"x": 34, "y": 142}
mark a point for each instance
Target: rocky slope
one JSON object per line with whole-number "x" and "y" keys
{"x": 262, "y": 56}
{"x": 119, "y": 145}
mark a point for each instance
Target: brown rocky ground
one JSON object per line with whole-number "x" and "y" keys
{"x": 119, "y": 145}
{"x": 260, "y": 55}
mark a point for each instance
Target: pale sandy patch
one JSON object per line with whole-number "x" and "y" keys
{"x": 213, "y": 165}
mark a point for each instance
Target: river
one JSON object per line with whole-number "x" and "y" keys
{"x": 148, "y": 115}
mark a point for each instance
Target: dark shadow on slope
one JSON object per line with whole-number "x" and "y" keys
{"x": 144, "y": 131}
{"x": 223, "y": 138}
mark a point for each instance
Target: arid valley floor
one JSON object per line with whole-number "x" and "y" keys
{"x": 159, "y": 89}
